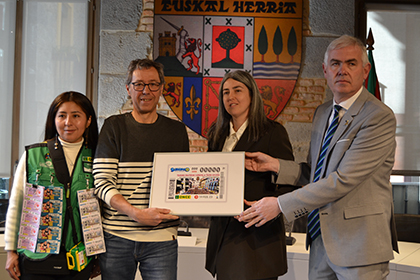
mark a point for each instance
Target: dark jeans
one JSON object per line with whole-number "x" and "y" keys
{"x": 155, "y": 260}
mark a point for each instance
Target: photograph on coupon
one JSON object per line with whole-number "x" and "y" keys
{"x": 197, "y": 183}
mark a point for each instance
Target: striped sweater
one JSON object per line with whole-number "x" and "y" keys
{"x": 124, "y": 161}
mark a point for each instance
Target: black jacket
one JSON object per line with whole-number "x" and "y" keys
{"x": 234, "y": 252}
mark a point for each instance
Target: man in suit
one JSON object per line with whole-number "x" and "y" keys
{"x": 347, "y": 181}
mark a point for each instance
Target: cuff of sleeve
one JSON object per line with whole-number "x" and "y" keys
{"x": 274, "y": 175}
{"x": 10, "y": 246}
{"x": 110, "y": 195}
{"x": 278, "y": 202}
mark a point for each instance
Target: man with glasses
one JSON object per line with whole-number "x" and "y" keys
{"x": 135, "y": 234}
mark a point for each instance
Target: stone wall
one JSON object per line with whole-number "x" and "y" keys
{"x": 127, "y": 32}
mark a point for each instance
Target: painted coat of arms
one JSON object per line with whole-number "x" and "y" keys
{"x": 198, "y": 42}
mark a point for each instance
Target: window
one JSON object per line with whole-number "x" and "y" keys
{"x": 396, "y": 60}
{"x": 50, "y": 50}
{"x": 394, "y": 26}
{"x": 7, "y": 39}
{"x": 396, "y": 54}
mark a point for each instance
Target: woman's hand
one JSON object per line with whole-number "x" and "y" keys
{"x": 12, "y": 264}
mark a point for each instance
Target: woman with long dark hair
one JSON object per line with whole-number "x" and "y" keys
{"x": 63, "y": 163}
{"x": 233, "y": 251}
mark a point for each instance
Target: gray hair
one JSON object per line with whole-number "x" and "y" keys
{"x": 346, "y": 41}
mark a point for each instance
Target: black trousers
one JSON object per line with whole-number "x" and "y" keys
{"x": 74, "y": 275}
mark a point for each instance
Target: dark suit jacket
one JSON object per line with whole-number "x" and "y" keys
{"x": 234, "y": 252}
{"x": 354, "y": 195}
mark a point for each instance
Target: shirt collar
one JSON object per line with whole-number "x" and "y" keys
{"x": 240, "y": 131}
{"x": 346, "y": 104}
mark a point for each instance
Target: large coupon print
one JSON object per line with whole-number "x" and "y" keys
{"x": 196, "y": 184}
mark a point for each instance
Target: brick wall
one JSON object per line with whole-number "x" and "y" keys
{"x": 307, "y": 95}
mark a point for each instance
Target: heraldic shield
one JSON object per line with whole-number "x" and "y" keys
{"x": 198, "y": 42}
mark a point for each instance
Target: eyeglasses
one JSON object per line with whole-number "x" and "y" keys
{"x": 141, "y": 86}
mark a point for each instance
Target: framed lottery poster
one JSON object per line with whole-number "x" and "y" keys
{"x": 199, "y": 184}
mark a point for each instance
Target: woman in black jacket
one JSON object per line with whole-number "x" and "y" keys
{"x": 233, "y": 251}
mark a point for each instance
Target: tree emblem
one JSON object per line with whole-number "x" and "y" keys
{"x": 228, "y": 40}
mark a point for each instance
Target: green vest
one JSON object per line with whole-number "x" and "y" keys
{"x": 39, "y": 165}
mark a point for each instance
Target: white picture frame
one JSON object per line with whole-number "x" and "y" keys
{"x": 199, "y": 184}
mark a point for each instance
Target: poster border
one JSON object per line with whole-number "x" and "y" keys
{"x": 235, "y": 179}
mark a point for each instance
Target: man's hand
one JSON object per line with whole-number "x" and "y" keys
{"x": 261, "y": 162}
{"x": 12, "y": 265}
{"x": 145, "y": 217}
{"x": 260, "y": 212}
{"x": 151, "y": 216}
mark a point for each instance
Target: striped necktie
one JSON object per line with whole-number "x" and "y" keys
{"x": 313, "y": 217}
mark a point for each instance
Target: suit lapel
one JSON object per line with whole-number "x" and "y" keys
{"x": 243, "y": 143}
{"x": 223, "y": 139}
{"x": 348, "y": 117}
{"x": 346, "y": 121}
